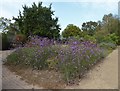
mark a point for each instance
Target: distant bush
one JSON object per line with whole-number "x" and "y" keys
{"x": 90, "y": 38}
{"x": 107, "y": 45}
{"x": 11, "y": 37}
{"x": 109, "y": 38}
{"x": 114, "y": 38}
{"x": 5, "y": 41}
{"x": 0, "y": 41}
{"x": 19, "y": 39}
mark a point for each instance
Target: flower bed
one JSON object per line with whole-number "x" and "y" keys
{"x": 70, "y": 59}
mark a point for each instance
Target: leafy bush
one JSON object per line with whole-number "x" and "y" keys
{"x": 28, "y": 56}
{"x": 0, "y": 41}
{"x": 109, "y": 41}
{"x": 108, "y": 46}
{"x": 71, "y": 31}
{"x": 109, "y": 38}
{"x": 5, "y": 41}
{"x": 35, "y": 53}
{"x": 114, "y": 38}
{"x": 118, "y": 40}
{"x": 14, "y": 58}
{"x": 90, "y": 38}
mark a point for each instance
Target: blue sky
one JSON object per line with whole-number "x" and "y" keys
{"x": 69, "y": 12}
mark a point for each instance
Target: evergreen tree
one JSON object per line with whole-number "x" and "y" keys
{"x": 38, "y": 20}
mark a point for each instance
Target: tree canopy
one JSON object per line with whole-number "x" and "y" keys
{"x": 110, "y": 23}
{"x": 90, "y": 27}
{"x": 71, "y": 31}
{"x": 4, "y": 24}
{"x": 38, "y": 20}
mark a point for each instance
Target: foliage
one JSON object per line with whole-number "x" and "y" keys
{"x": 71, "y": 31}
{"x": 108, "y": 42}
{"x": 110, "y": 23}
{"x": 9, "y": 30}
{"x": 0, "y": 41}
{"x": 113, "y": 38}
{"x": 90, "y": 38}
{"x": 108, "y": 45}
{"x": 14, "y": 58}
{"x": 70, "y": 58}
{"x": 4, "y": 23}
{"x": 19, "y": 39}
{"x": 106, "y": 30}
{"x": 110, "y": 28}
{"x": 5, "y": 41}
{"x": 118, "y": 33}
{"x": 90, "y": 27}
{"x": 38, "y": 20}
{"x": 35, "y": 53}
{"x": 76, "y": 57}
{"x": 108, "y": 38}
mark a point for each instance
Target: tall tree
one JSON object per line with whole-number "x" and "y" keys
{"x": 71, "y": 31}
{"x": 4, "y": 24}
{"x": 38, "y": 20}
{"x": 90, "y": 27}
{"x": 110, "y": 23}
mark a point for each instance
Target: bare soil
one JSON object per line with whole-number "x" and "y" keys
{"x": 48, "y": 79}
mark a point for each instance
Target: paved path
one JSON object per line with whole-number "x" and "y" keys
{"x": 103, "y": 75}
{"x": 10, "y": 80}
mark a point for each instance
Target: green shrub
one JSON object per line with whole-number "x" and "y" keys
{"x": 114, "y": 38}
{"x": 35, "y": 57}
{"x": 109, "y": 38}
{"x": 109, "y": 46}
{"x": 13, "y": 58}
{"x": 0, "y": 41}
{"x": 90, "y": 38}
{"x": 5, "y": 42}
{"x": 118, "y": 40}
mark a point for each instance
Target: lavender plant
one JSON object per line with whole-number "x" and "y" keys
{"x": 70, "y": 58}
{"x": 77, "y": 57}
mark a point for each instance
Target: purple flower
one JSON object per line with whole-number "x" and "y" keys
{"x": 75, "y": 43}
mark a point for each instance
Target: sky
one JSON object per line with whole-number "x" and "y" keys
{"x": 68, "y": 11}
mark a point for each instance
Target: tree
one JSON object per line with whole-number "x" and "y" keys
{"x": 71, "y": 31}
{"x": 4, "y": 27}
{"x": 38, "y": 20}
{"x": 4, "y": 24}
{"x": 89, "y": 27}
{"x": 110, "y": 23}
{"x": 108, "y": 26}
